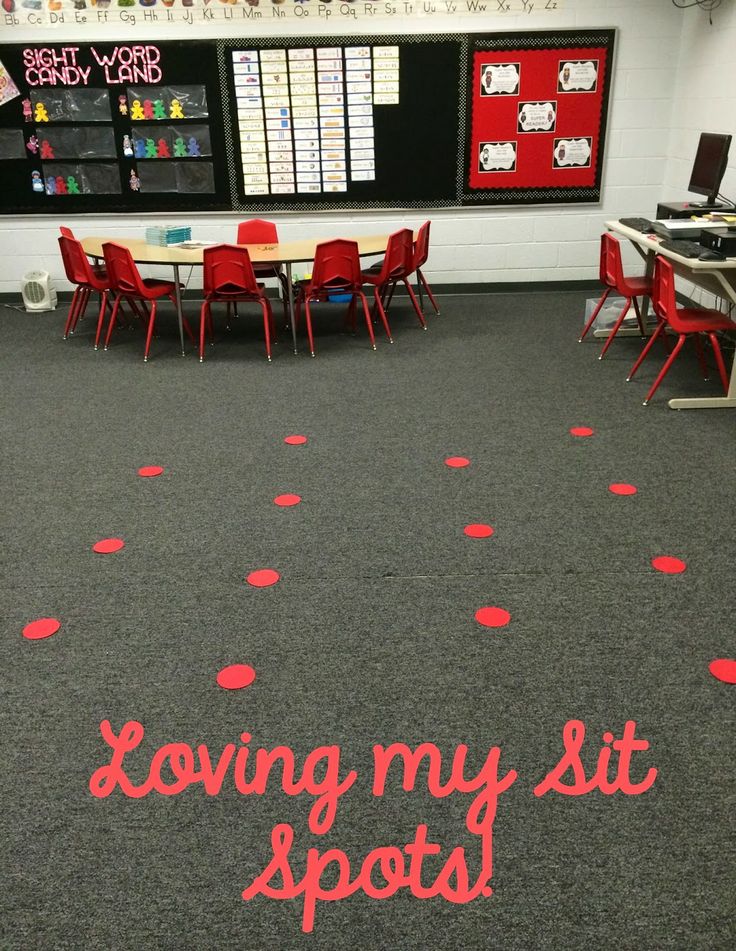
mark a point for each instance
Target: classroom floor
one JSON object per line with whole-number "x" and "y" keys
{"x": 370, "y": 635}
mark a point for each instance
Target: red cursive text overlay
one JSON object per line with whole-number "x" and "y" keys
{"x": 329, "y": 875}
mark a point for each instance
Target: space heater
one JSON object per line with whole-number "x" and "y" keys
{"x": 38, "y": 291}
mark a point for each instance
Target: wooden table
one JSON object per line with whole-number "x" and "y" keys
{"x": 284, "y": 253}
{"x": 716, "y": 277}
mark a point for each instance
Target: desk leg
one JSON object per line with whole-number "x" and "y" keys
{"x": 292, "y": 318}
{"x": 179, "y": 313}
{"x": 710, "y": 402}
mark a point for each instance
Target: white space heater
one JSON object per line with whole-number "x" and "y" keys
{"x": 38, "y": 291}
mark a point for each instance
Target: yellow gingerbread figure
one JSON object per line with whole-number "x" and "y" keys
{"x": 41, "y": 115}
{"x": 176, "y": 110}
{"x": 136, "y": 110}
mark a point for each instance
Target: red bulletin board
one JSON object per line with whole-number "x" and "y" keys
{"x": 537, "y": 118}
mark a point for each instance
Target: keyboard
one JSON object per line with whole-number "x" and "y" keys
{"x": 688, "y": 249}
{"x": 638, "y": 224}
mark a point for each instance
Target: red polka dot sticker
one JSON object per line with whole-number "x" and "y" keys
{"x": 236, "y": 677}
{"x": 287, "y": 499}
{"x": 457, "y": 462}
{"x": 668, "y": 565}
{"x": 295, "y": 440}
{"x": 723, "y": 669}
{"x": 478, "y": 530}
{"x": 106, "y": 546}
{"x": 581, "y": 431}
{"x": 148, "y": 472}
{"x": 492, "y": 617}
{"x": 43, "y": 627}
{"x": 263, "y": 578}
{"x": 622, "y": 488}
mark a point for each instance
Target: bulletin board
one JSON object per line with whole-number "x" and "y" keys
{"x": 304, "y": 123}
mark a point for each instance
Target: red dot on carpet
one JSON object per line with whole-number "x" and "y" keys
{"x": 287, "y": 499}
{"x": 43, "y": 627}
{"x": 487, "y": 891}
{"x": 457, "y": 462}
{"x": 149, "y": 471}
{"x": 581, "y": 431}
{"x": 108, "y": 545}
{"x": 263, "y": 577}
{"x": 723, "y": 669}
{"x": 478, "y": 530}
{"x": 295, "y": 440}
{"x": 622, "y": 488}
{"x": 492, "y": 617}
{"x": 236, "y": 676}
{"x": 668, "y": 565}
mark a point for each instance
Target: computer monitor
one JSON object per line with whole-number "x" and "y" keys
{"x": 709, "y": 166}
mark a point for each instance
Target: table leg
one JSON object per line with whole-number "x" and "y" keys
{"x": 292, "y": 318}
{"x": 179, "y": 313}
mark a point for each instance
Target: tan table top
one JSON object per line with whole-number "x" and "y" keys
{"x": 286, "y": 252}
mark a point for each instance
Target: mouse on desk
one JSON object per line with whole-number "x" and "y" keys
{"x": 712, "y": 256}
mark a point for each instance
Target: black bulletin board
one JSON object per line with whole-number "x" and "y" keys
{"x": 420, "y": 103}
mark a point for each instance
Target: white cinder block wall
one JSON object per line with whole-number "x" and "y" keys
{"x": 670, "y": 81}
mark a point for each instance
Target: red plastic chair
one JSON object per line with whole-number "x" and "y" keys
{"x": 229, "y": 276}
{"x": 128, "y": 285}
{"x": 87, "y": 279}
{"x": 66, "y": 232}
{"x": 685, "y": 322}
{"x": 396, "y": 266}
{"x": 421, "y": 253}
{"x": 612, "y": 275}
{"x": 258, "y": 231}
{"x": 336, "y": 270}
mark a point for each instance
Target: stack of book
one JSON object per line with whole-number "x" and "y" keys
{"x": 161, "y": 236}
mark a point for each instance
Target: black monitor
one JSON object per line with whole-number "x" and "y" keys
{"x": 709, "y": 166}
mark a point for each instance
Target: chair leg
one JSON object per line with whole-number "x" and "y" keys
{"x": 639, "y": 321}
{"x": 591, "y": 319}
{"x": 719, "y": 359}
{"x": 614, "y": 329}
{"x": 72, "y": 310}
{"x": 309, "y": 325}
{"x": 101, "y": 317}
{"x": 81, "y": 307}
{"x": 428, "y": 289}
{"x": 665, "y": 369}
{"x": 647, "y": 347}
{"x": 113, "y": 317}
{"x": 267, "y": 319}
{"x": 415, "y": 305}
{"x": 367, "y": 312}
{"x": 701, "y": 356}
{"x": 382, "y": 313}
{"x": 388, "y": 289}
{"x": 149, "y": 335}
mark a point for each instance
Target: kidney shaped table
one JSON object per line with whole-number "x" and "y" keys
{"x": 284, "y": 253}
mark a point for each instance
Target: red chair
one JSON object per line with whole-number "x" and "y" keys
{"x": 258, "y": 231}
{"x": 396, "y": 266}
{"x": 128, "y": 285}
{"x": 421, "y": 253}
{"x": 87, "y": 279}
{"x": 66, "y": 232}
{"x": 612, "y": 275}
{"x": 685, "y": 322}
{"x": 229, "y": 276}
{"x": 336, "y": 270}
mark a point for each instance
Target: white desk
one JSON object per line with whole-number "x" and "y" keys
{"x": 716, "y": 277}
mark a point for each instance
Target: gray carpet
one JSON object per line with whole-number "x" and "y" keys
{"x": 370, "y": 635}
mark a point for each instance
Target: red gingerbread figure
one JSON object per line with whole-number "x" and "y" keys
{"x": 60, "y": 186}
{"x": 46, "y": 151}
{"x": 147, "y": 109}
{"x": 163, "y": 149}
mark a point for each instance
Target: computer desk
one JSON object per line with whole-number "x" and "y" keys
{"x": 716, "y": 277}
